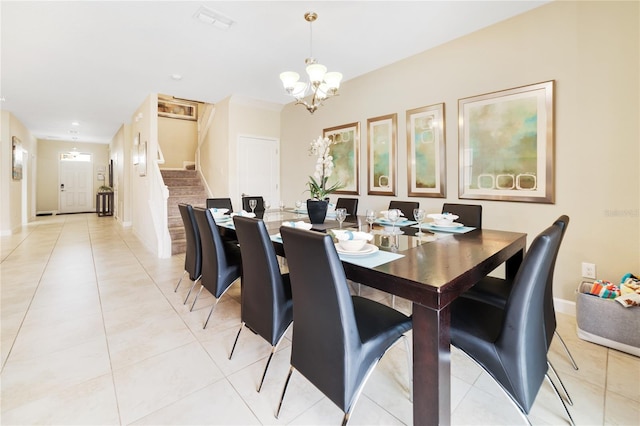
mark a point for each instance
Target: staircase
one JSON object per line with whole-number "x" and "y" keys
{"x": 184, "y": 187}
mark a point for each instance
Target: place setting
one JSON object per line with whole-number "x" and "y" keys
{"x": 355, "y": 247}
{"x": 444, "y": 222}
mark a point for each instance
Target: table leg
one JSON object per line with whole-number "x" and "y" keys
{"x": 513, "y": 264}
{"x": 431, "y": 366}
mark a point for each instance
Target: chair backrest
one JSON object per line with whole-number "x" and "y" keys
{"x": 266, "y": 309}
{"x": 351, "y": 205}
{"x": 325, "y": 334}
{"x": 218, "y": 272}
{"x": 193, "y": 255}
{"x": 220, "y": 203}
{"x": 550, "y": 322}
{"x": 469, "y": 214}
{"x": 406, "y": 207}
{"x": 522, "y": 344}
{"x": 259, "y": 204}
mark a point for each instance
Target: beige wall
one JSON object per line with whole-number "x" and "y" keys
{"x": 234, "y": 117}
{"x": 178, "y": 140}
{"x": 47, "y": 199}
{"x": 591, "y": 50}
{"x": 17, "y": 205}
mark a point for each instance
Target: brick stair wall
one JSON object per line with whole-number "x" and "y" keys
{"x": 186, "y": 187}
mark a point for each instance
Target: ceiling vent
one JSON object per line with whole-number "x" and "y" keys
{"x": 212, "y": 17}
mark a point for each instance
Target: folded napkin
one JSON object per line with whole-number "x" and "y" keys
{"x": 299, "y": 224}
{"x": 244, "y": 213}
{"x": 385, "y": 213}
{"x": 352, "y": 235}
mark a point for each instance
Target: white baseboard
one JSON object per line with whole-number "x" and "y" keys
{"x": 565, "y": 306}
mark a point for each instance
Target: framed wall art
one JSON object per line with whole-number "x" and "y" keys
{"x": 177, "y": 109}
{"x": 426, "y": 152}
{"x": 507, "y": 145}
{"x": 142, "y": 158}
{"x": 16, "y": 158}
{"x": 382, "y": 148}
{"x": 345, "y": 152}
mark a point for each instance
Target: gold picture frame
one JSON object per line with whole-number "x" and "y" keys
{"x": 507, "y": 145}
{"x": 426, "y": 144}
{"x": 382, "y": 154}
{"x": 16, "y": 158}
{"x": 177, "y": 109}
{"x": 345, "y": 151}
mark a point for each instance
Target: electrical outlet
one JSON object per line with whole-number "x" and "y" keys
{"x": 589, "y": 270}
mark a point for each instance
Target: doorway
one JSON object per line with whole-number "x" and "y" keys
{"x": 75, "y": 182}
{"x": 259, "y": 167}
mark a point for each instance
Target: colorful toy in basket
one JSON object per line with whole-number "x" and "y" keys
{"x": 605, "y": 289}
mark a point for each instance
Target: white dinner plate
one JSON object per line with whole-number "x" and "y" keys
{"x": 224, "y": 218}
{"x": 453, "y": 225}
{"x": 364, "y": 251}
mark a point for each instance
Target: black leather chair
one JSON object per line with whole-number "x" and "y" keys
{"x": 220, "y": 203}
{"x": 351, "y": 205}
{"x": 469, "y": 214}
{"x": 509, "y": 343}
{"x": 267, "y": 308}
{"x": 337, "y": 338}
{"x": 496, "y": 292}
{"x": 406, "y": 207}
{"x": 259, "y": 210}
{"x": 193, "y": 255}
{"x": 222, "y": 262}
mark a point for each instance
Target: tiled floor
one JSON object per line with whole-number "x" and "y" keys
{"x": 92, "y": 333}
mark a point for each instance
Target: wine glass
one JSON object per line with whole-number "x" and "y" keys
{"x": 252, "y": 204}
{"x": 281, "y": 205}
{"x": 341, "y": 215}
{"x": 393, "y": 215}
{"x": 371, "y": 217}
{"x": 267, "y": 206}
{"x": 419, "y": 215}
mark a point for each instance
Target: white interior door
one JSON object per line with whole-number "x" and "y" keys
{"x": 259, "y": 167}
{"x": 76, "y": 183}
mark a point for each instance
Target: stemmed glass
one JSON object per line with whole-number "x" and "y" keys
{"x": 341, "y": 215}
{"x": 393, "y": 215}
{"x": 419, "y": 215}
{"x": 371, "y": 217}
{"x": 281, "y": 205}
{"x": 267, "y": 206}
{"x": 252, "y": 204}
{"x": 298, "y": 208}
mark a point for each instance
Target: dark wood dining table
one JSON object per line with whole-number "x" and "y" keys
{"x": 431, "y": 274}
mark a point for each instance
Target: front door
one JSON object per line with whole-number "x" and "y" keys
{"x": 76, "y": 182}
{"x": 259, "y": 168}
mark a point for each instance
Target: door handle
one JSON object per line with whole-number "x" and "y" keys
{"x": 62, "y": 187}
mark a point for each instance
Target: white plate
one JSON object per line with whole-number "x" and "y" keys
{"x": 453, "y": 225}
{"x": 366, "y": 250}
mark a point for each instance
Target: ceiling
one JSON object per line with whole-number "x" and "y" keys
{"x": 95, "y": 62}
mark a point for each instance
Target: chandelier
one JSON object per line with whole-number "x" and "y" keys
{"x": 321, "y": 85}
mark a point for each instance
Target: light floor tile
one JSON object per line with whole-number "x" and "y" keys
{"x": 156, "y": 382}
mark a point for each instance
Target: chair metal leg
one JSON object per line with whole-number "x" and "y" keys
{"x": 210, "y": 312}
{"x": 555, "y": 389}
{"x": 266, "y": 367}
{"x": 236, "y": 341}
{"x": 179, "y": 281}
{"x": 191, "y": 289}
{"x": 286, "y": 383}
{"x": 196, "y": 299}
{"x": 566, "y": 349}
{"x": 409, "y": 365}
{"x": 564, "y": 389}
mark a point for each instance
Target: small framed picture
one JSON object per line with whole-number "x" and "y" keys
{"x": 382, "y": 148}
{"x": 426, "y": 152}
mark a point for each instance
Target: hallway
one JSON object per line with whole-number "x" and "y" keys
{"x": 93, "y": 333}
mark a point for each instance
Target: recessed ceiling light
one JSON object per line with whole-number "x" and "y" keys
{"x": 75, "y": 123}
{"x": 176, "y": 77}
{"x": 212, "y": 17}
